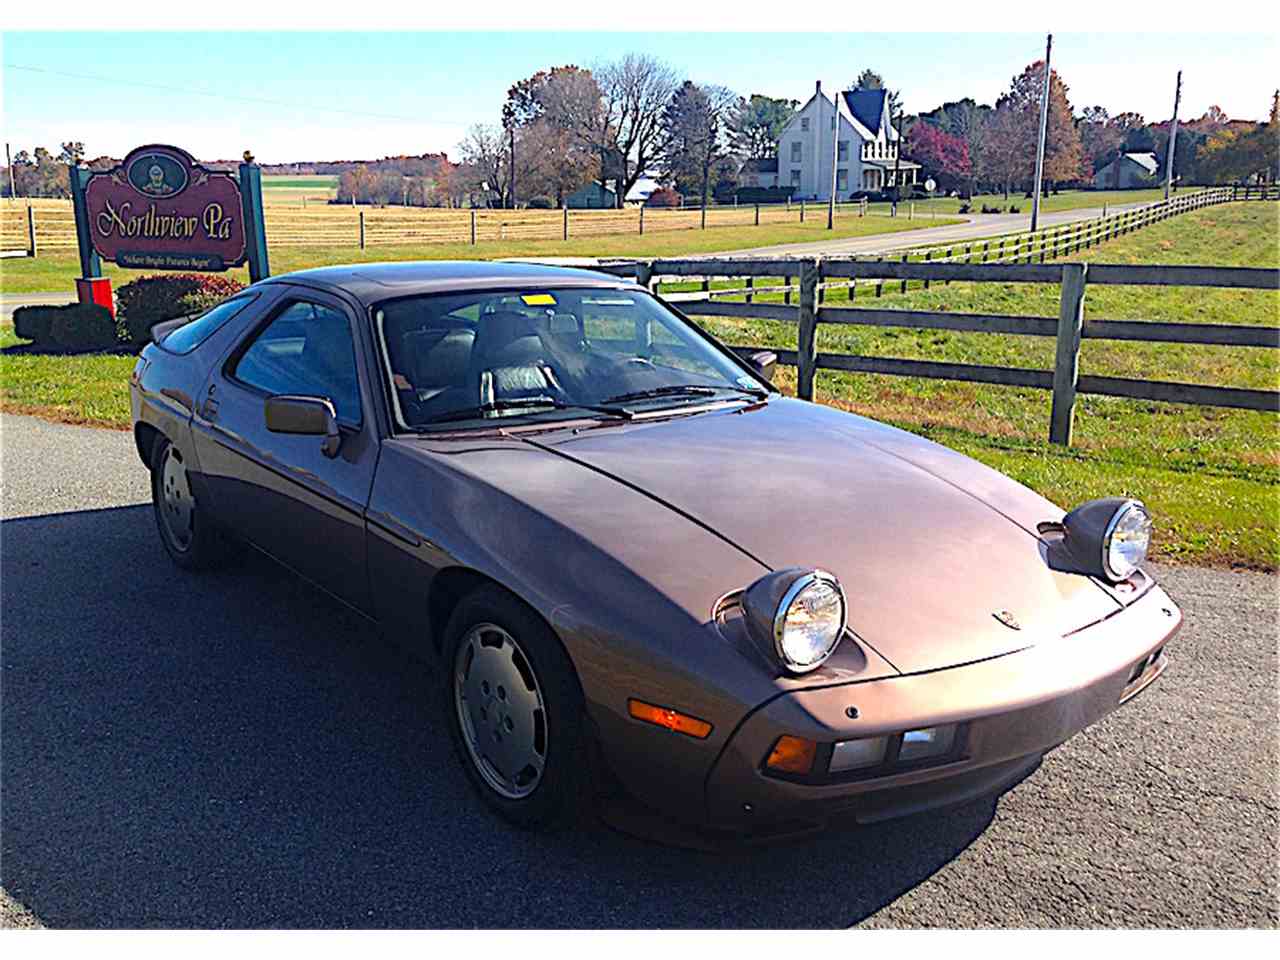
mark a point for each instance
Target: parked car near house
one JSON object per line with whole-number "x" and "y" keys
{"x": 626, "y": 549}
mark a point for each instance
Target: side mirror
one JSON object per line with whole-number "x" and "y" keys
{"x": 309, "y": 416}
{"x": 763, "y": 362}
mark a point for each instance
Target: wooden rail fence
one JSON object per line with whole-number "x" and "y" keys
{"x": 28, "y": 226}
{"x": 1069, "y": 327}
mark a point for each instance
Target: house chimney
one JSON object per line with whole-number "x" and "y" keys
{"x": 818, "y": 88}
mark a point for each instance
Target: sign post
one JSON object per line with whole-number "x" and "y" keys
{"x": 161, "y": 210}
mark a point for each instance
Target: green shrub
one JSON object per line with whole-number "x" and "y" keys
{"x": 541, "y": 203}
{"x": 82, "y": 326}
{"x": 144, "y": 302}
{"x": 32, "y": 323}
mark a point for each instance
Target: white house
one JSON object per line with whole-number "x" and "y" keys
{"x": 865, "y": 154}
{"x": 1127, "y": 171}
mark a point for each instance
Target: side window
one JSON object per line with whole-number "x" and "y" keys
{"x": 307, "y": 349}
{"x": 795, "y": 151}
{"x": 190, "y": 335}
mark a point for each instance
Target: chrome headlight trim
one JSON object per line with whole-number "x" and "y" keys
{"x": 798, "y": 586}
{"x": 1112, "y": 524}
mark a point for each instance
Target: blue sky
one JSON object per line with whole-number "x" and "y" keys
{"x": 349, "y": 95}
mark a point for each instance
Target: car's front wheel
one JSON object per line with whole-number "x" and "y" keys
{"x": 188, "y": 536}
{"x": 515, "y": 709}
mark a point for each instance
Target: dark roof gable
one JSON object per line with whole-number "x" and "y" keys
{"x": 867, "y": 106}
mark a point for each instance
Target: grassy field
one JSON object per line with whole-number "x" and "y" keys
{"x": 54, "y": 271}
{"x": 1209, "y": 475}
{"x": 1067, "y": 200}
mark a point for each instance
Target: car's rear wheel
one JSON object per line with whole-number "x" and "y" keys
{"x": 515, "y": 709}
{"x": 188, "y": 536}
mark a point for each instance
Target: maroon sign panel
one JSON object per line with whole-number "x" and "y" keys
{"x": 161, "y": 210}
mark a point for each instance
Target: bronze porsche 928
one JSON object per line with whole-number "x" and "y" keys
{"x": 623, "y": 544}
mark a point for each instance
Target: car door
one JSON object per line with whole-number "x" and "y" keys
{"x": 280, "y": 491}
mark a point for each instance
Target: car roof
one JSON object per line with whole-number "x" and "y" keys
{"x": 372, "y": 282}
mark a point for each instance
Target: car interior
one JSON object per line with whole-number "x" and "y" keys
{"x": 449, "y": 353}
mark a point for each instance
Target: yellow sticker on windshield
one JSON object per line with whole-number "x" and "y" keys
{"x": 538, "y": 300}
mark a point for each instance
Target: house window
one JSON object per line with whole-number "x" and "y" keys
{"x": 842, "y": 179}
{"x": 795, "y": 178}
{"x": 842, "y": 152}
{"x": 804, "y": 123}
{"x": 795, "y": 151}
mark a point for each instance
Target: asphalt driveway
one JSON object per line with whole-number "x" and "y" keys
{"x": 237, "y": 750}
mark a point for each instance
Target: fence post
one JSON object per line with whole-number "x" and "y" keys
{"x": 704, "y": 217}
{"x": 928, "y": 255}
{"x": 751, "y": 282}
{"x": 757, "y": 214}
{"x": 642, "y": 219}
{"x": 807, "y": 336}
{"x": 31, "y": 231}
{"x": 904, "y": 282}
{"x": 361, "y": 229}
{"x": 473, "y": 226}
{"x": 566, "y": 221}
{"x": 1066, "y": 365}
{"x": 786, "y": 293}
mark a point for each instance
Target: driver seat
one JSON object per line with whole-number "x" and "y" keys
{"x": 510, "y": 360}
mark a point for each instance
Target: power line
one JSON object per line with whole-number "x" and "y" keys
{"x": 211, "y": 93}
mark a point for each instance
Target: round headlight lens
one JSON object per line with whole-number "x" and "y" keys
{"x": 810, "y": 620}
{"x": 1128, "y": 536}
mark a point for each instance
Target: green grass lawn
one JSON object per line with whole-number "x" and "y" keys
{"x": 54, "y": 272}
{"x": 1209, "y": 475}
{"x": 1067, "y": 200}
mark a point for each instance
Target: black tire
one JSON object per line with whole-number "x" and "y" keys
{"x": 561, "y": 793}
{"x": 204, "y": 546}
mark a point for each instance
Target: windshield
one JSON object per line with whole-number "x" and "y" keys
{"x": 536, "y": 352}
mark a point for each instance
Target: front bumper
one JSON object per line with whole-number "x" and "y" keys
{"x": 1012, "y": 710}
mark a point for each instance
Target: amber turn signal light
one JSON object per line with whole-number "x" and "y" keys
{"x": 671, "y": 719}
{"x": 792, "y": 755}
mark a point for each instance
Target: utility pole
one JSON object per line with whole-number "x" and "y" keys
{"x": 835, "y": 157}
{"x": 9, "y": 162}
{"x": 896, "y": 144}
{"x": 512, "y": 194}
{"x": 1044, "y": 129}
{"x": 1173, "y": 138}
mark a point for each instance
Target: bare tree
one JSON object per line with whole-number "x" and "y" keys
{"x": 635, "y": 91}
{"x": 485, "y": 156}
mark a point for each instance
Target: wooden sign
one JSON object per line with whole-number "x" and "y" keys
{"x": 160, "y": 210}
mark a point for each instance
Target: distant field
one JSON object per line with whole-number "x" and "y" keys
{"x": 309, "y": 181}
{"x": 298, "y": 190}
{"x": 57, "y": 268}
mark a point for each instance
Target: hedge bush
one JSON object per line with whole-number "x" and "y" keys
{"x": 664, "y": 198}
{"x": 541, "y": 203}
{"x": 75, "y": 326}
{"x": 33, "y": 323}
{"x": 142, "y": 303}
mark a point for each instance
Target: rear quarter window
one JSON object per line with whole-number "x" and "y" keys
{"x": 190, "y": 335}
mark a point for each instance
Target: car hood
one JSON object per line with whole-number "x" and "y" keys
{"x": 937, "y": 553}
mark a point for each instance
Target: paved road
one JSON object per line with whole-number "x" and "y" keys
{"x": 10, "y": 302}
{"x": 975, "y": 227}
{"x": 238, "y": 751}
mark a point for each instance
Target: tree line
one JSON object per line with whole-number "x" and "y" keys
{"x": 969, "y": 147}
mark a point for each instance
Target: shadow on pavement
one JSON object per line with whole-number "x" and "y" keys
{"x": 237, "y": 750}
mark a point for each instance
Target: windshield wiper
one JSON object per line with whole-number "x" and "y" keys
{"x": 683, "y": 389}
{"x": 511, "y": 403}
